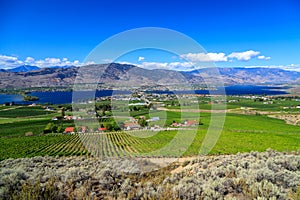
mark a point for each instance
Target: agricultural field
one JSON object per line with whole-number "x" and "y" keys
{"x": 241, "y": 133}
{"x": 260, "y": 103}
{"x": 23, "y": 111}
{"x": 52, "y": 145}
{"x": 19, "y": 120}
{"x": 275, "y": 104}
{"x": 254, "y": 156}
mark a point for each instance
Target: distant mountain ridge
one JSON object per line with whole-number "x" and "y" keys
{"x": 121, "y": 74}
{"x": 257, "y": 75}
{"x": 28, "y": 68}
{"x": 24, "y": 68}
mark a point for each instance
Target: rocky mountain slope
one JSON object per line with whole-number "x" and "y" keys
{"x": 121, "y": 74}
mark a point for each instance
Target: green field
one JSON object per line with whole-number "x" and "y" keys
{"x": 275, "y": 104}
{"x": 241, "y": 133}
{"x": 23, "y": 112}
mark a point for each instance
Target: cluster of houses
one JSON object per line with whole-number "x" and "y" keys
{"x": 82, "y": 129}
{"x": 133, "y": 124}
{"x": 186, "y": 123}
{"x": 67, "y": 118}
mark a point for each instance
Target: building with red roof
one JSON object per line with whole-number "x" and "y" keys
{"x": 69, "y": 130}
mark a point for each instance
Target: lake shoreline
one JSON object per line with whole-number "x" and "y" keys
{"x": 66, "y": 97}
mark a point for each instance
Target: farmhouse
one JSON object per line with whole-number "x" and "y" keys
{"x": 190, "y": 123}
{"x": 153, "y": 119}
{"x": 175, "y": 124}
{"x": 102, "y": 129}
{"x": 69, "y": 130}
{"x": 83, "y": 129}
{"x": 131, "y": 126}
{"x": 68, "y": 117}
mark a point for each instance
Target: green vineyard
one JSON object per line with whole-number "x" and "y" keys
{"x": 52, "y": 145}
{"x": 112, "y": 144}
{"x": 241, "y": 133}
{"x": 127, "y": 144}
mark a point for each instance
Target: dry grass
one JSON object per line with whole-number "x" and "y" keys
{"x": 269, "y": 175}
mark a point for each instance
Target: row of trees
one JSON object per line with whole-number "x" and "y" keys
{"x": 53, "y": 128}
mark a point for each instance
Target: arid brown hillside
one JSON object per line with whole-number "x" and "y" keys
{"x": 122, "y": 74}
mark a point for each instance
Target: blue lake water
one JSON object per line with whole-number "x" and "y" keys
{"x": 10, "y": 97}
{"x": 66, "y": 97}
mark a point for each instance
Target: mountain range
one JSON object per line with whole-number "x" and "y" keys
{"x": 23, "y": 68}
{"x": 124, "y": 74}
{"x": 28, "y": 68}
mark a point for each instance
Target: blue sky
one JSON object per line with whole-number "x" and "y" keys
{"x": 64, "y": 32}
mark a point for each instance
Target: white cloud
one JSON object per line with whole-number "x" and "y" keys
{"x": 8, "y": 58}
{"x": 107, "y": 60}
{"x": 264, "y": 57}
{"x": 8, "y": 62}
{"x": 29, "y": 60}
{"x": 141, "y": 58}
{"x": 290, "y": 67}
{"x": 188, "y": 66}
{"x": 178, "y": 66}
{"x": 50, "y": 62}
{"x": 244, "y": 56}
{"x": 205, "y": 57}
{"x": 154, "y": 65}
{"x": 222, "y": 57}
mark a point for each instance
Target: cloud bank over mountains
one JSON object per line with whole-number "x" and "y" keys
{"x": 222, "y": 57}
{"x": 9, "y": 62}
{"x": 186, "y": 62}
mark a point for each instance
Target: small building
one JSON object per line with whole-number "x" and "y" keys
{"x": 153, "y": 119}
{"x": 102, "y": 129}
{"x": 175, "y": 124}
{"x": 190, "y": 123}
{"x": 49, "y": 109}
{"x": 68, "y": 117}
{"x": 83, "y": 129}
{"x": 131, "y": 126}
{"x": 69, "y": 130}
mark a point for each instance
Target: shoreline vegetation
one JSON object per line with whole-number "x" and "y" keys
{"x": 284, "y": 87}
{"x": 29, "y": 97}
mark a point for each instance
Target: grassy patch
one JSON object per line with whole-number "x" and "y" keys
{"x": 21, "y": 127}
{"x": 23, "y": 112}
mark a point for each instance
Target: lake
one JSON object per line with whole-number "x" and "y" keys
{"x": 66, "y": 97}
